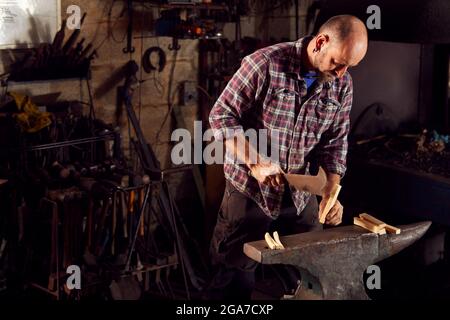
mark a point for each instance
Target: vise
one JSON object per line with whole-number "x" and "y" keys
{"x": 332, "y": 262}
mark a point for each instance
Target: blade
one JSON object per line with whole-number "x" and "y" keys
{"x": 312, "y": 184}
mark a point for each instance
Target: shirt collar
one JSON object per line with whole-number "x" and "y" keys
{"x": 294, "y": 62}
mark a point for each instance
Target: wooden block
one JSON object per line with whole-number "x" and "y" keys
{"x": 330, "y": 203}
{"x": 391, "y": 229}
{"x": 377, "y": 223}
{"x": 368, "y": 225}
{"x": 372, "y": 219}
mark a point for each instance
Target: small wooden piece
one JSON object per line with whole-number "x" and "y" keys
{"x": 270, "y": 242}
{"x": 368, "y": 225}
{"x": 330, "y": 203}
{"x": 392, "y": 229}
{"x": 277, "y": 240}
{"x": 274, "y": 244}
{"x": 374, "y": 220}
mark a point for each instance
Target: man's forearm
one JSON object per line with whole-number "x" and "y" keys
{"x": 241, "y": 150}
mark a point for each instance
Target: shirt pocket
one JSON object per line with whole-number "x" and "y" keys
{"x": 279, "y": 108}
{"x": 322, "y": 116}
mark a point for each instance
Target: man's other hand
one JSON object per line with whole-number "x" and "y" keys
{"x": 268, "y": 173}
{"x": 334, "y": 216}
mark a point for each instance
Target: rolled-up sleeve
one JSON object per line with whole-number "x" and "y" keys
{"x": 238, "y": 96}
{"x": 334, "y": 145}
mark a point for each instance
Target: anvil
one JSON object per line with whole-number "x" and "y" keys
{"x": 332, "y": 262}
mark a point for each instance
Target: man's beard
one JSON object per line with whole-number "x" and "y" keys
{"x": 322, "y": 76}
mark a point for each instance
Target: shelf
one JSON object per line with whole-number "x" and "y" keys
{"x": 181, "y": 38}
{"x": 37, "y": 81}
{"x": 68, "y": 143}
{"x": 43, "y": 79}
{"x": 150, "y": 268}
{"x": 199, "y": 6}
{"x": 51, "y": 72}
{"x": 105, "y": 136}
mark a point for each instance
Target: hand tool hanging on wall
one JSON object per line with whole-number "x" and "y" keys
{"x": 73, "y": 37}
{"x": 58, "y": 39}
{"x": 55, "y": 60}
{"x": 146, "y": 60}
{"x": 129, "y": 48}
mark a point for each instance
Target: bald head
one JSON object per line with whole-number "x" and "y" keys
{"x": 341, "y": 43}
{"x": 343, "y": 28}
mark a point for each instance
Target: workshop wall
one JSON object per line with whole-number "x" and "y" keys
{"x": 397, "y": 92}
{"x": 373, "y": 78}
{"x": 105, "y": 26}
{"x": 277, "y": 24}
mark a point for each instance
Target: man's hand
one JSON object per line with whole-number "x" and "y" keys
{"x": 334, "y": 216}
{"x": 268, "y": 173}
{"x": 259, "y": 167}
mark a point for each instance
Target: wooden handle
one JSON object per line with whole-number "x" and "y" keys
{"x": 331, "y": 202}
{"x": 141, "y": 219}
{"x": 123, "y": 204}
{"x": 114, "y": 223}
{"x": 131, "y": 201}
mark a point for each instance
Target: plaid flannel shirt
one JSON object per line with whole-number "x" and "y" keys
{"x": 268, "y": 92}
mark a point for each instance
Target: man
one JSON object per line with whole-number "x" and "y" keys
{"x": 303, "y": 91}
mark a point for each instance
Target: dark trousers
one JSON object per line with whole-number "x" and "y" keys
{"x": 241, "y": 220}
